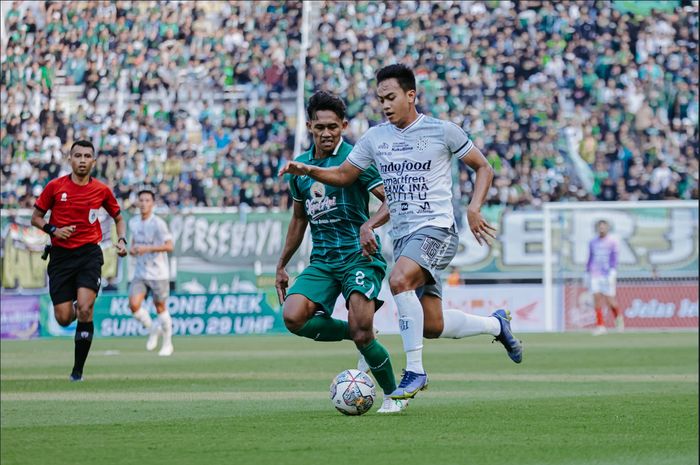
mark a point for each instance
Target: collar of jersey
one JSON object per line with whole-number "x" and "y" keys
{"x": 335, "y": 151}
{"x": 70, "y": 179}
{"x": 413, "y": 124}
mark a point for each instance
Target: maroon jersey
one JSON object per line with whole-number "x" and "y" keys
{"x": 74, "y": 205}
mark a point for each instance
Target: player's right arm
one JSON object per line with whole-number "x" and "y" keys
{"x": 295, "y": 235}
{"x": 589, "y": 263}
{"x": 587, "y": 281}
{"x": 342, "y": 175}
{"x": 612, "y": 274}
{"x": 43, "y": 204}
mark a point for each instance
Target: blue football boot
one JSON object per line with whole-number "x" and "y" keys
{"x": 513, "y": 346}
{"x": 410, "y": 384}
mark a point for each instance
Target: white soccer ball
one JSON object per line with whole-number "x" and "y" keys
{"x": 353, "y": 392}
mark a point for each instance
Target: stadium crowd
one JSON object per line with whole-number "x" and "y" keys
{"x": 568, "y": 100}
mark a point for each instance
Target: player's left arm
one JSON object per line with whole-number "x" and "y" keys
{"x": 121, "y": 234}
{"x": 166, "y": 246}
{"x": 484, "y": 176}
{"x": 379, "y": 218}
{"x": 110, "y": 204}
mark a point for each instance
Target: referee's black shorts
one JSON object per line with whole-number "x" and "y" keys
{"x": 70, "y": 269}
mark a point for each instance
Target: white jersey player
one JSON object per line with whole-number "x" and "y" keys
{"x": 151, "y": 241}
{"x": 413, "y": 154}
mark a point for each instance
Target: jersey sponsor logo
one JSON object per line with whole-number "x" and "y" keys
{"x": 406, "y": 187}
{"x": 401, "y": 147}
{"x": 319, "y": 204}
{"x": 383, "y": 146}
{"x": 64, "y": 197}
{"x": 318, "y": 190}
{"x": 398, "y": 168}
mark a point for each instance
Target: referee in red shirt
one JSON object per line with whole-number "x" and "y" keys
{"x": 76, "y": 257}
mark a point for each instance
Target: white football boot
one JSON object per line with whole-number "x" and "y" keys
{"x": 154, "y": 333}
{"x": 393, "y": 405}
{"x": 166, "y": 350}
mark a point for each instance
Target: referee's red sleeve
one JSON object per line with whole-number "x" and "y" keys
{"x": 110, "y": 203}
{"x": 45, "y": 200}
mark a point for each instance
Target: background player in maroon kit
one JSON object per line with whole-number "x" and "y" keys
{"x": 76, "y": 257}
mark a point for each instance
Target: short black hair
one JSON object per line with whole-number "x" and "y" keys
{"x": 402, "y": 73}
{"x": 146, "y": 190}
{"x": 83, "y": 143}
{"x": 599, "y": 222}
{"x": 323, "y": 100}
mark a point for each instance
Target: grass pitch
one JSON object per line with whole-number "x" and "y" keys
{"x": 616, "y": 399}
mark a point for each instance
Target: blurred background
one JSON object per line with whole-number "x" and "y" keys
{"x": 572, "y": 103}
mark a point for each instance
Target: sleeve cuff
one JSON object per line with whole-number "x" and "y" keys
{"x": 372, "y": 186}
{"x": 464, "y": 149}
{"x": 39, "y": 208}
{"x": 355, "y": 164}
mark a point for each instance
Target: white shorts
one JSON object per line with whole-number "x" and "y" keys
{"x": 159, "y": 288}
{"x": 603, "y": 285}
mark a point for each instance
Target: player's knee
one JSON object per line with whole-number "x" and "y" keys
{"x": 293, "y": 321}
{"x": 84, "y": 312}
{"x": 362, "y": 336}
{"x": 400, "y": 282}
{"x": 64, "y": 320}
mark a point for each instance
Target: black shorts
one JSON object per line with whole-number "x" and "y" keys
{"x": 70, "y": 269}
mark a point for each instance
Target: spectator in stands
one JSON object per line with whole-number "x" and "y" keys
{"x": 175, "y": 93}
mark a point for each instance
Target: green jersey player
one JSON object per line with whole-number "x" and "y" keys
{"x": 338, "y": 216}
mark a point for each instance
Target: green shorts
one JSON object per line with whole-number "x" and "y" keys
{"x": 321, "y": 282}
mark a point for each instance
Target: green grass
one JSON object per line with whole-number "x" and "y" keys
{"x": 627, "y": 399}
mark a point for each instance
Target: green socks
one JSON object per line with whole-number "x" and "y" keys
{"x": 326, "y": 329}
{"x": 379, "y": 362}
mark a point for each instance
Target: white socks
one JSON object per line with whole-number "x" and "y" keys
{"x": 166, "y": 326}
{"x": 459, "y": 324}
{"x": 143, "y": 317}
{"x": 411, "y": 327}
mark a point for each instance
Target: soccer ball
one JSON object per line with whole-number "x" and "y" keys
{"x": 353, "y": 392}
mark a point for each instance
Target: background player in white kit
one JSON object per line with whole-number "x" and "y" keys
{"x": 151, "y": 241}
{"x": 601, "y": 274}
{"x": 413, "y": 153}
